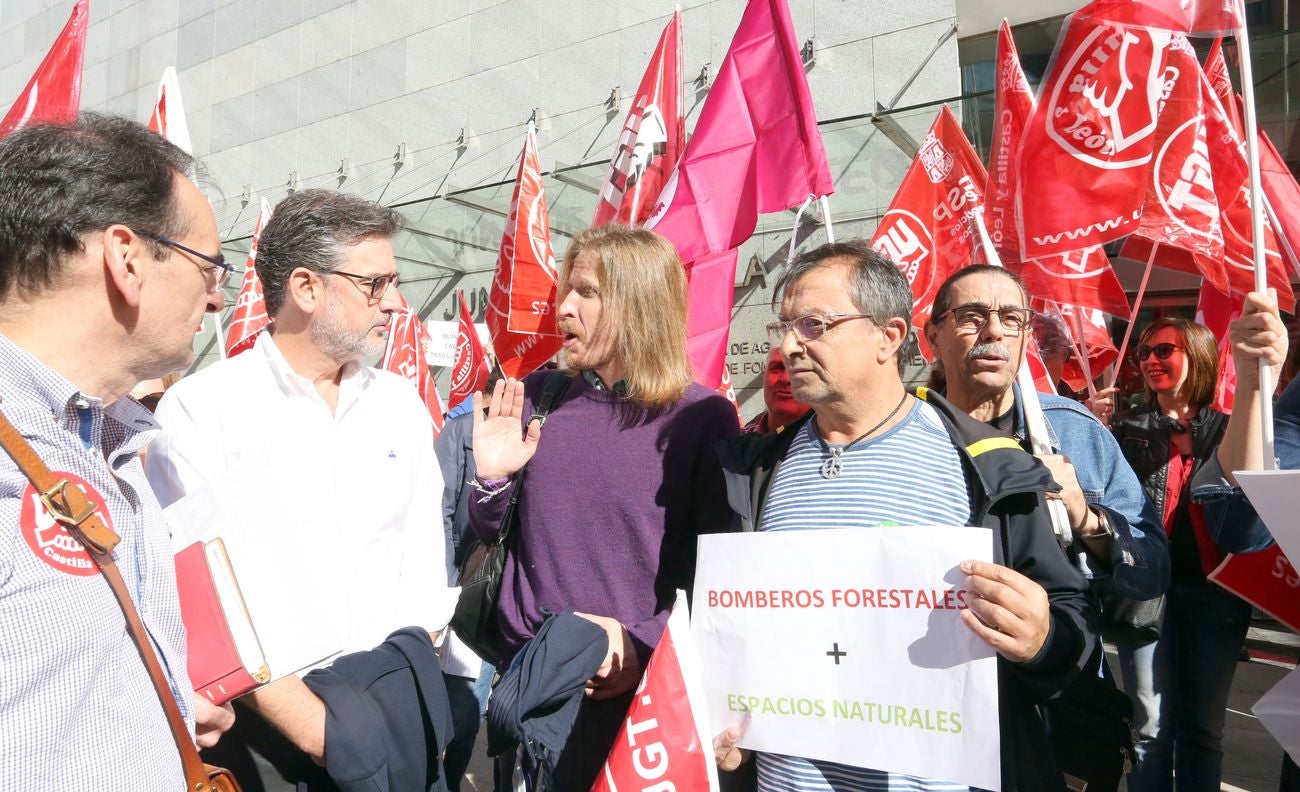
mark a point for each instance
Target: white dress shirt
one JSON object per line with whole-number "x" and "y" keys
{"x": 364, "y": 478}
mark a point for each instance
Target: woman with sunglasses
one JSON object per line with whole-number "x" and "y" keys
{"x": 1183, "y": 451}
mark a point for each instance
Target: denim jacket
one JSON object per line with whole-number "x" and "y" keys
{"x": 1229, "y": 517}
{"x": 1139, "y": 554}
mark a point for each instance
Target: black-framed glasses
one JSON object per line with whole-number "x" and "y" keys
{"x": 972, "y": 317}
{"x": 1161, "y": 351}
{"x": 377, "y": 284}
{"x": 218, "y": 274}
{"x": 809, "y": 327}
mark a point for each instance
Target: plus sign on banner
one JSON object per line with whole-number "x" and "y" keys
{"x": 859, "y": 656}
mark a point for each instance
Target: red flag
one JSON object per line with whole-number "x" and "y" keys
{"x": 54, "y": 91}
{"x": 168, "y": 116}
{"x": 521, "y": 307}
{"x": 1199, "y": 168}
{"x": 406, "y": 356}
{"x": 1089, "y": 146}
{"x": 1215, "y": 310}
{"x": 927, "y": 231}
{"x": 1191, "y": 17}
{"x": 1096, "y": 340}
{"x": 469, "y": 369}
{"x": 1216, "y": 71}
{"x": 653, "y": 136}
{"x": 1283, "y": 194}
{"x": 1081, "y": 277}
{"x": 248, "y": 318}
{"x": 1266, "y": 579}
{"x": 727, "y": 391}
{"x": 756, "y": 148}
{"x": 663, "y": 744}
{"x": 1042, "y": 377}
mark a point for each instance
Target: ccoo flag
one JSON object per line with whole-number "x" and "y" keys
{"x": 756, "y": 148}
{"x": 521, "y": 306}
{"x": 654, "y": 133}
{"x": 469, "y": 369}
{"x": 249, "y": 318}
{"x": 54, "y": 91}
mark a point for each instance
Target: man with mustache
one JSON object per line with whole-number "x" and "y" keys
{"x": 350, "y": 446}
{"x": 871, "y": 454}
{"x": 979, "y": 328}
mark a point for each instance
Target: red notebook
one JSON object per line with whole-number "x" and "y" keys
{"x": 225, "y": 658}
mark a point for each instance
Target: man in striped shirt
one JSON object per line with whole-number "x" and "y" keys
{"x": 869, "y": 454}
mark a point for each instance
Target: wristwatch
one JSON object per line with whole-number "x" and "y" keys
{"x": 1106, "y": 530}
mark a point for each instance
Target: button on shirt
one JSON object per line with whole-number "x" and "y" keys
{"x": 363, "y": 479}
{"x": 77, "y": 707}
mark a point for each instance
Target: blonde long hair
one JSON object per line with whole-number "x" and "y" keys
{"x": 643, "y": 303}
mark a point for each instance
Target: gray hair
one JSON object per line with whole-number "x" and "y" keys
{"x": 877, "y": 287}
{"x": 310, "y": 229}
{"x": 61, "y": 182}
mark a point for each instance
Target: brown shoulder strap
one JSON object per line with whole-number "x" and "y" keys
{"x": 70, "y": 506}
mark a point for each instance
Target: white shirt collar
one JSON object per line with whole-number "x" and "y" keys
{"x": 354, "y": 380}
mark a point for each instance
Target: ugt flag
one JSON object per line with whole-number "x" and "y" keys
{"x": 654, "y": 133}
{"x": 249, "y": 318}
{"x": 469, "y": 369}
{"x": 665, "y": 742}
{"x": 521, "y": 306}
{"x": 54, "y": 91}
{"x": 406, "y": 355}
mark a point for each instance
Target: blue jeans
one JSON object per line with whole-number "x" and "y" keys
{"x": 1179, "y": 686}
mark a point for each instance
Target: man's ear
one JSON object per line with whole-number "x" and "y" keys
{"x": 931, "y": 334}
{"x": 305, "y": 289}
{"x": 123, "y": 261}
{"x": 892, "y": 337}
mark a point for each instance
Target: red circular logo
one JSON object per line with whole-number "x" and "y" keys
{"x": 49, "y": 540}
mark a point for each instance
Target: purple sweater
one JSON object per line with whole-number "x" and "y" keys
{"x": 610, "y": 510}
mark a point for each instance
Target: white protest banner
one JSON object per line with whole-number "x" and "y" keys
{"x": 1272, "y": 493}
{"x": 442, "y": 343}
{"x": 848, "y": 646}
{"x": 1279, "y": 712}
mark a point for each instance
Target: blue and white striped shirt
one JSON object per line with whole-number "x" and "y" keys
{"x": 911, "y": 475}
{"x": 77, "y": 708}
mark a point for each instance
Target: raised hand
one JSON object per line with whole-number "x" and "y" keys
{"x": 501, "y": 447}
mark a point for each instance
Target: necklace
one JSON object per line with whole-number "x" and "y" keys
{"x": 832, "y": 467}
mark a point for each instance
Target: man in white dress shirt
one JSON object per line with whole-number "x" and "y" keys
{"x": 349, "y": 447}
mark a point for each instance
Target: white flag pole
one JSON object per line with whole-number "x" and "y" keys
{"x": 1257, "y": 230}
{"x": 1133, "y": 315}
{"x": 1035, "y": 421}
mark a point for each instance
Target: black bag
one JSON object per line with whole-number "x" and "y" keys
{"x": 1125, "y": 620}
{"x": 475, "y": 619}
{"x": 1091, "y": 727}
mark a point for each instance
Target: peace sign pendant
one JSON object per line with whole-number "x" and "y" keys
{"x": 831, "y": 467}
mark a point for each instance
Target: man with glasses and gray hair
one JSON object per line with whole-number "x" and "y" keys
{"x": 872, "y": 454}
{"x": 350, "y": 446}
{"x": 109, "y": 257}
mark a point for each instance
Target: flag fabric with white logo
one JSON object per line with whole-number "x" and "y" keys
{"x": 928, "y": 229}
{"x": 407, "y": 356}
{"x": 1080, "y": 277}
{"x": 1088, "y": 149}
{"x": 1190, "y": 17}
{"x": 469, "y": 369}
{"x": 54, "y": 91}
{"x": 168, "y": 116}
{"x": 1095, "y": 342}
{"x": 665, "y": 742}
{"x": 521, "y": 306}
{"x": 652, "y": 139}
{"x": 756, "y": 148}
{"x": 249, "y": 318}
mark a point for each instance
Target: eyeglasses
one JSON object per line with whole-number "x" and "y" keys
{"x": 972, "y": 317}
{"x": 217, "y": 275}
{"x": 1162, "y": 351}
{"x": 809, "y": 327}
{"x": 377, "y": 284}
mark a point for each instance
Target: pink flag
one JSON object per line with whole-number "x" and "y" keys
{"x": 521, "y": 307}
{"x": 249, "y": 319}
{"x": 469, "y": 369}
{"x": 654, "y": 133}
{"x": 662, "y": 744}
{"x": 406, "y": 356}
{"x": 1080, "y": 277}
{"x": 756, "y": 148}
{"x": 54, "y": 91}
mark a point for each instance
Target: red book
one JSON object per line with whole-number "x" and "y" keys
{"x": 225, "y": 657}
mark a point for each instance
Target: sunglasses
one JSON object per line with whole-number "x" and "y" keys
{"x": 1161, "y": 351}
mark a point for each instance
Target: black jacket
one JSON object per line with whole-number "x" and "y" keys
{"x": 1145, "y": 435}
{"x": 1007, "y": 487}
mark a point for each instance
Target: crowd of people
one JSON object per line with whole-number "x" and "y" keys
{"x": 109, "y": 257}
